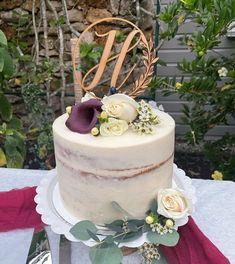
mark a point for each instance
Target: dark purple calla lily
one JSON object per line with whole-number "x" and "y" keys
{"x": 83, "y": 116}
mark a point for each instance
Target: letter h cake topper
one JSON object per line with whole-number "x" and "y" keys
{"x": 132, "y": 39}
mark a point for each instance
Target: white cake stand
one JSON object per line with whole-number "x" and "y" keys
{"x": 53, "y": 213}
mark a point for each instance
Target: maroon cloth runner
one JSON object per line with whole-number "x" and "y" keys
{"x": 17, "y": 210}
{"x": 193, "y": 248}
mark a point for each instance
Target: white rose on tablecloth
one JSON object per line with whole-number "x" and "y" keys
{"x": 174, "y": 204}
{"x": 114, "y": 127}
{"x": 120, "y": 106}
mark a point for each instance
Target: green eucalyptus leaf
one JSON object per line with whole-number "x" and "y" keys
{"x": 146, "y": 228}
{"x": 132, "y": 227}
{"x": 79, "y": 230}
{"x": 3, "y": 39}
{"x": 5, "y": 108}
{"x": 127, "y": 237}
{"x": 169, "y": 239}
{"x": 108, "y": 255}
{"x": 93, "y": 236}
{"x": 109, "y": 239}
{"x": 115, "y": 225}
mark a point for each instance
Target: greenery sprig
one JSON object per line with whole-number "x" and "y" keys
{"x": 109, "y": 238}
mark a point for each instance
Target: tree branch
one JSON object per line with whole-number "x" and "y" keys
{"x": 64, "y": 6}
{"x": 45, "y": 34}
{"x": 61, "y": 54}
{"x": 36, "y": 43}
{"x": 148, "y": 12}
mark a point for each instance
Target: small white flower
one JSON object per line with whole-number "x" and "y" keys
{"x": 222, "y": 72}
{"x": 114, "y": 127}
{"x": 174, "y": 204}
{"x": 120, "y": 106}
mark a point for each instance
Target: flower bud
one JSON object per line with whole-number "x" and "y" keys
{"x": 149, "y": 220}
{"x": 201, "y": 53}
{"x": 169, "y": 223}
{"x": 178, "y": 85}
{"x": 104, "y": 115}
{"x": 95, "y": 131}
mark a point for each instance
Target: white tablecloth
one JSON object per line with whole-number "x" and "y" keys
{"x": 214, "y": 214}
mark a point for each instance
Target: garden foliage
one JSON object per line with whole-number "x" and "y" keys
{"x": 210, "y": 86}
{"x": 12, "y": 147}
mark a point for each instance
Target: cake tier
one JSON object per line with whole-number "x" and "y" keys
{"x": 128, "y": 169}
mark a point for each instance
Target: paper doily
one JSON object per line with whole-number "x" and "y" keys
{"x": 61, "y": 221}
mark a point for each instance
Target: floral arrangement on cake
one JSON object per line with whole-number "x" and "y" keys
{"x": 112, "y": 116}
{"x": 170, "y": 210}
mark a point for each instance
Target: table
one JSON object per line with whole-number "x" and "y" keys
{"x": 214, "y": 214}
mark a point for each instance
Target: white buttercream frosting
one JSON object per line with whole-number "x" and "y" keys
{"x": 129, "y": 169}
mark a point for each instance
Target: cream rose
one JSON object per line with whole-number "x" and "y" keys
{"x": 114, "y": 127}
{"x": 120, "y": 106}
{"x": 173, "y": 203}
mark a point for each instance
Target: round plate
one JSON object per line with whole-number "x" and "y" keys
{"x": 53, "y": 212}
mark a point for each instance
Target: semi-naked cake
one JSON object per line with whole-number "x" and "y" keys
{"x": 128, "y": 169}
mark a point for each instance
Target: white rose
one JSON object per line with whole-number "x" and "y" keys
{"x": 114, "y": 127}
{"x": 120, "y": 106}
{"x": 173, "y": 203}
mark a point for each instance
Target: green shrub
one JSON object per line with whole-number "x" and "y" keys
{"x": 210, "y": 88}
{"x": 12, "y": 147}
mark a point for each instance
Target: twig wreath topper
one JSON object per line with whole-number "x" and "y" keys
{"x": 148, "y": 58}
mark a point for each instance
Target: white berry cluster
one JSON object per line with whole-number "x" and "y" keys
{"x": 222, "y": 72}
{"x": 125, "y": 227}
{"x": 147, "y": 119}
{"x": 160, "y": 229}
{"x": 149, "y": 252}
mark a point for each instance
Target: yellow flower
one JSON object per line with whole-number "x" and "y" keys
{"x": 169, "y": 223}
{"x": 178, "y": 85}
{"x": 95, "y": 131}
{"x": 149, "y": 220}
{"x": 180, "y": 20}
{"x": 103, "y": 115}
{"x": 217, "y": 176}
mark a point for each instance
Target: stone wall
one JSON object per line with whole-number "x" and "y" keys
{"x": 16, "y": 21}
